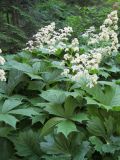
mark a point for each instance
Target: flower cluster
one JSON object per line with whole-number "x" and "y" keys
{"x": 2, "y": 72}
{"x": 80, "y": 67}
{"x": 49, "y": 39}
{"x": 107, "y": 36}
{"x": 85, "y": 66}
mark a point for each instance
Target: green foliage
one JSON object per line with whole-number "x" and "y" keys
{"x": 63, "y": 122}
{"x": 45, "y": 116}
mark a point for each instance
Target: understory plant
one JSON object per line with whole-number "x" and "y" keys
{"x": 61, "y": 98}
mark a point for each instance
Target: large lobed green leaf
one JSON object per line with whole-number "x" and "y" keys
{"x": 109, "y": 98}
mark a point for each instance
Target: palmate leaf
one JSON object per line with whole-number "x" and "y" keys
{"x": 67, "y": 111}
{"x": 103, "y": 127}
{"x": 54, "y": 96}
{"x": 25, "y": 68}
{"x": 79, "y": 117}
{"x": 70, "y": 105}
{"x": 36, "y": 101}
{"x": 49, "y": 146}
{"x": 63, "y": 126}
{"x": 57, "y": 96}
{"x": 71, "y": 147}
{"x": 91, "y": 101}
{"x": 96, "y": 127}
{"x": 25, "y": 112}
{"x": 109, "y": 98}
{"x": 56, "y": 145}
{"x": 50, "y": 124}
{"x": 41, "y": 66}
{"x": 20, "y": 66}
{"x": 55, "y": 109}
{"x": 51, "y": 77}
{"x": 27, "y": 145}
{"x": 96, "y": 92}
{"x": 10, "y": 104}
{"x": 8, "y": 87}
{"x": 39, "y": 118}
{"x": 8, "y": 110}
{"x": 9, "y": 119}
{"x": 66, "y": 127}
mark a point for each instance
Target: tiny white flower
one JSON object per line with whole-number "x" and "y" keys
{"x": 2, "y": 75}
{"x": 116, "y": 27}
{"x": 0, "y": 51}
{"x": 65, "y": 72}
{"x": 2, "y": 60}
{"x": 108, "y": 21}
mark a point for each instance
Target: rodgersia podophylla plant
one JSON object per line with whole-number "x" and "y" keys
{"x": 2, "y": 72}
{"x": 85, "y": 66}
{"x": 79, "y": 66}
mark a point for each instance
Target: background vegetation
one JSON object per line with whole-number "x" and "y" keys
{"x": 20, "y": 19}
